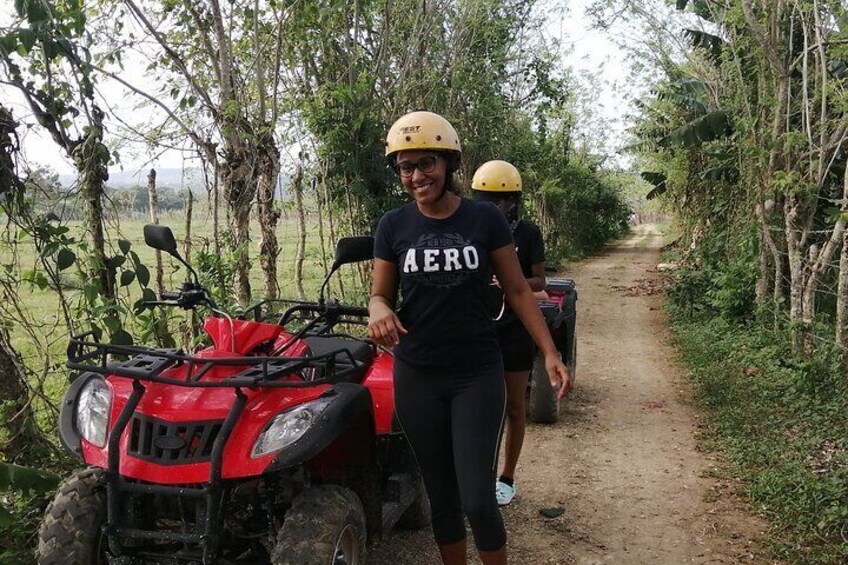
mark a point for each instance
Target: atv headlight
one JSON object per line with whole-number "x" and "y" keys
{"x": 288, "y": 427}
{"x": 93, "y": 405}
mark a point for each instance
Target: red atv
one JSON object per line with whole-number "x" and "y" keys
{"x": 560, "y": 311}
{"x": 273, "y": 445}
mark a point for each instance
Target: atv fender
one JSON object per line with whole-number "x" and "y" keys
{"x": 350, "y": 411}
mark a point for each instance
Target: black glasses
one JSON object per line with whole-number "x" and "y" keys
{"x": 425, "y": 164}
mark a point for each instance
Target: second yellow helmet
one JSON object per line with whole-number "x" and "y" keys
{"x": 497, "y": 176}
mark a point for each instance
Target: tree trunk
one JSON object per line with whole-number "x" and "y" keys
{"x": 796, "y": 270}
{"x": 330, "y": 221}
{"x": 153, "y": 199}
{"x": 764, "y": 281}
{"x": 268, "y": 170}
{"x": 189, "y": 208}
{"x": 297, "y": 189}
{"x": 321, "y": 207}
{"x": 216, "y": 218}
{"x": 189, "y": 326}
{"x": 92, "y": 169}
{"x": 842, "y": 300}
{"x": 808, "y": 300}
{"x": 239, "y": 192}
{"x": 779, "y": 285}
{"x": 17, "y": 416}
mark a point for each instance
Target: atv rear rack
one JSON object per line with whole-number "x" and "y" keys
{"x": 148, "y": 364}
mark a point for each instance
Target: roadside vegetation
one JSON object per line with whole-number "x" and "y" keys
{"x": 744, "y": 137}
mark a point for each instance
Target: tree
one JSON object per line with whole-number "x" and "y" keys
{"x": 56, "y": 82}
{"x": 767, "y": 76}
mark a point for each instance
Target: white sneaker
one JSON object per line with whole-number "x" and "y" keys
{"x": 504, "y": 493}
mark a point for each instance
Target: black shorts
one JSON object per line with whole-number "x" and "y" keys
{"x": 517, "y": 346}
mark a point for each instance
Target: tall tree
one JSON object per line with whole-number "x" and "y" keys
{"x": 223, "y": 66}
{"x": 42, "y": 57}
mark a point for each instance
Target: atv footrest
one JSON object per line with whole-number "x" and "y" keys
{"x": 162, "y": 489}
{"x": 401, "y": 492}
{"x": 156, "y": 535}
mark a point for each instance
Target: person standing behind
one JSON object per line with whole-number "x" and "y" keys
{"x": 499, "y": 182}
{"x": 440, "y": 251}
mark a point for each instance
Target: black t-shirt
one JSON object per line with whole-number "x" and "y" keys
{"x": 530, "y": 247}
{"x": 445, "y": 276}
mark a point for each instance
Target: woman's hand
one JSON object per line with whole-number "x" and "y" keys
{"x": 384, "y": 326}
{"x": 558, "y": 374}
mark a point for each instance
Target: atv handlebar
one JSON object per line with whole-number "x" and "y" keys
{"x": 359, "y": 311}
{"x": 188, "y": 297}
{"x": 330, "y": 309}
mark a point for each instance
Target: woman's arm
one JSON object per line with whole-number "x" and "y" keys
{"x": 523, "y": 303}
{"x": 384, "y": 326}
{"x": 537, "y": 280}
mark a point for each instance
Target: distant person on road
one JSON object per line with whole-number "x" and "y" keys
{"x": 441, "y": 251}
{"x": 499, "y": 182}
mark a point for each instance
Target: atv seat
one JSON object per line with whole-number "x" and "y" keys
{"x": 362, "y": 354}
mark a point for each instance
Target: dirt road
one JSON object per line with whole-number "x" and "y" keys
{"x": 623, "y": 461}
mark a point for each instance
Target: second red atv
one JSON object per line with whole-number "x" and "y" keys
{"x": 273, "y": 445}
{"x": 560, "y": 311}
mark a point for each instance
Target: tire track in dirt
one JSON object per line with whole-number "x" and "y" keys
{"x": 623, "y": 462}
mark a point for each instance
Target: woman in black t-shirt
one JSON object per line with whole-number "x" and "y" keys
{"x": 499, "y": 182}
{"x": 441, "y": 251}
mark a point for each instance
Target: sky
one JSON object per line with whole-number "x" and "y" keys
{"x": 593, "y": 55}
{"x": 602, "y": 67}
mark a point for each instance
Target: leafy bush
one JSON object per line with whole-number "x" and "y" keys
{"x": 22, "y": 502}
{"x": 721, "y": 281}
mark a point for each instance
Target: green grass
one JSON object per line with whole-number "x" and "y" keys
{"x": 783, "y": 425}
{"x": 42, "y": 306}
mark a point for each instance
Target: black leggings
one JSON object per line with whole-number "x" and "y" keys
{"x": 453, "y": 423}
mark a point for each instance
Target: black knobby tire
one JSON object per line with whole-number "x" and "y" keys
{"x": 322, "y": 521}
{"x": 570, "y": 353}
{"x": 71, "y": 531}
{"x": 542, "y": 405}
{"x": 417, "y": 516}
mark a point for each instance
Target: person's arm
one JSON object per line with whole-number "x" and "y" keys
{"x": 384, "y": 326}
{"x": 523, "y": 303}
{"x": 537, "y": 259}
{"x": 537, "y": 281}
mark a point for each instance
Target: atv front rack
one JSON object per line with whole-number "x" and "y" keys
{"x": 148, "y": 364}
{"x": 144, "y": 364}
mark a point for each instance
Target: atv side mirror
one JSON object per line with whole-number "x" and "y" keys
{"x": 349, "y": 250}
{"x": 353, "y": 249}
{"x": 161, "y": 238}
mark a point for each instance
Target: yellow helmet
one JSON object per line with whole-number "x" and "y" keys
{"x": 422, "y": 130}
{"x": 497, "y": 176}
